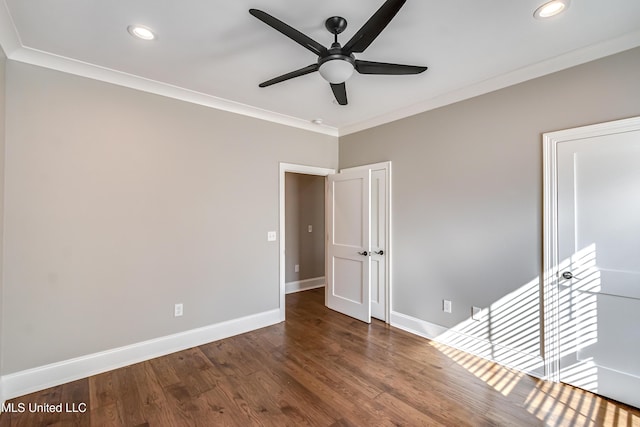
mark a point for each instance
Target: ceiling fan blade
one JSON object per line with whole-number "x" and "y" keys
{"x": 340, "y": 92}
{"x": 368, "y": 67}
{"x": 297, "y": 73}
{"x": 290, "y": 32}
{"x": 374, "y": 26}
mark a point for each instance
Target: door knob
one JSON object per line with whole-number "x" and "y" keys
{"x": 380, "y": 252}
{"x": 365, "y": 253}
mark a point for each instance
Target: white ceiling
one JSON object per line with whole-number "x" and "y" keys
{"x": 215, "y": 53}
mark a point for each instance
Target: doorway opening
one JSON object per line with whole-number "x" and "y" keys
{"x": 299, "y": 221}
{"x": 378, "y": 242}
{"x": 304, "y": 232}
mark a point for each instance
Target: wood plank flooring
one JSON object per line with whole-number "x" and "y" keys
{"x": 319, "y": 368}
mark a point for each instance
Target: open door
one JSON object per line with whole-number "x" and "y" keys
{"x": 348, "y": 246}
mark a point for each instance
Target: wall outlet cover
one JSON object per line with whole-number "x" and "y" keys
{"x": 271, "y": 236}
{"x": 446, "y": 306}
{"x": 177, "y": 310}
{"x": 477, "y": 313}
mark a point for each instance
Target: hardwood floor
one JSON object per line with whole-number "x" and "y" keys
{"x": 319, "y": 368}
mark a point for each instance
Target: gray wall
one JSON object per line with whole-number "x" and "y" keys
{"x": 467, "y": 188}
{"x": 3, "y": 62}
{"x": 119, "y": 204}
{"x": 304, "y": 206}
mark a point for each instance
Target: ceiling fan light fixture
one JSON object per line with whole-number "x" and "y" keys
{"x": 141, "y": 32}
{"x": 551, "y": 9}
{"x": 336, "y": 71}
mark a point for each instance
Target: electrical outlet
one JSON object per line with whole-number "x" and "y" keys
{"x": 271, "y": 236}
{"x": 310, "y": 228}
{"x": 446, "y": 306}
{"x": 296, "y": 268}
{"x": 177, "y": 310}
{"x": 477, "y": 313}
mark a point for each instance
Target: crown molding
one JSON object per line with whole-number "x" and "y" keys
{"x": 79, "y": 68}
{"x": 539, "y": 69}
{"x": 16, "y": 51}
{"x": 9, "y": 39}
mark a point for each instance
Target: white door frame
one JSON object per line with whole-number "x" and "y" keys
{"x": 389, "y": 249}
{"x": 550, "y": 300}
{"x": 294, "y": 168}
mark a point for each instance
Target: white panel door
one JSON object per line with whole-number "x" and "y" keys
{"x": 348, "y": 287}
{"x": 598, "y": 218}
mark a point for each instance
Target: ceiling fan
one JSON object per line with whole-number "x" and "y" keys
{"x": 337, "y": 63}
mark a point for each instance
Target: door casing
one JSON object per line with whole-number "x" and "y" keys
{"x": 320, "y": 171}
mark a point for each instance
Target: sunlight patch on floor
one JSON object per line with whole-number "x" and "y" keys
{"x": 563, "y": 405}
{"x": 500, "y": 378}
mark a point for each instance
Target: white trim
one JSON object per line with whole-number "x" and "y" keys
{"x": 293, "y": 168}
{"x": 550, "y": 259}
{"x": 304, "y": 285}
{"x": 543, "y": 68}
{"x": 416, "y": 326}
{"x": 9, "y": 39}
{"x": 42, "y": 377}
{"x": 527, "y": 363}
{"x": 550, "y": 297}
{"x": 388, "y": 238}
{"x": 14, "y": 49}
{"x": 83, "y": 69}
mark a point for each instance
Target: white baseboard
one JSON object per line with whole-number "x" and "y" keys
{"x": 505, "y": 356}
{"x": 31, "y": 380}
{"x": 304, "y": 285}
{"x": 42, "y": 377}
{"x": 416, "y": 326}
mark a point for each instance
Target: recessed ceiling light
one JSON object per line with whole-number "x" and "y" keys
{"x": 551, "y": 8}
{"x": 141, "y": 32}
